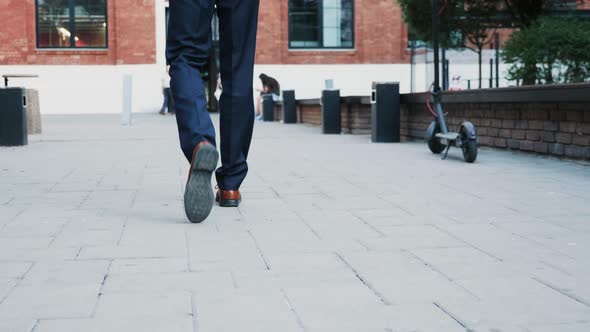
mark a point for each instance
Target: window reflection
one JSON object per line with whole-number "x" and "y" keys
{"x": 71, "y": 24}
{"x": 90, "y": 23}
{"x": 321, "y": 23}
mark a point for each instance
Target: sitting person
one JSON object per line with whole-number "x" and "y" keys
{"x": 269, "y": 86}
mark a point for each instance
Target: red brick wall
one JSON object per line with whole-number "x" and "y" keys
{"x": 131, "y": 29}
{"x": 380, "y": 36}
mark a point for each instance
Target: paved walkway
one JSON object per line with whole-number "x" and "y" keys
{"x": 334, "y": 234}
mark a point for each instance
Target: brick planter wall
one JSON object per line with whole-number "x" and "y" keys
{"x": 278, "y": 110}
{"x": 356, "y": 117}
{"x": 310, "y": 112}
{"x": 556, "y": 128}
{"x": 544, "y": 119}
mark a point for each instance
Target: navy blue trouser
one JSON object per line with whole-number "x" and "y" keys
{"x": 187, "y": 49}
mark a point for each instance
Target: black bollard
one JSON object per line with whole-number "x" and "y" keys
{"x": 13, "y": 117}
{"x": 289, "y": 107}
{"x": 385, "y": 112}
{"x": 268, "y": 107}
{"x": 331, "y": 116}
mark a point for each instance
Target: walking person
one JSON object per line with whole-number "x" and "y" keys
{"x": 168, "y": 104}
{"x": 187, "y": 49}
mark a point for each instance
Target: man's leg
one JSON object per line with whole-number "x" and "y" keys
{"x": 171, "y": 107}
{"x": 238, "y": 21}
{"x": 187, "y": 50}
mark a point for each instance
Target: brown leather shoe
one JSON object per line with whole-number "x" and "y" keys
{"x": 198, "y": 194}
{"x": 228, "y": 198}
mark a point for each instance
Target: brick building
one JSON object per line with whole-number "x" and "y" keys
{"x": 82, "y": 48}
{"x": 353, "y": 42}
{"x": 108, "y": 32}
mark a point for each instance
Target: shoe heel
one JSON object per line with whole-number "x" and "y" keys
{"x": 206, "y": 159}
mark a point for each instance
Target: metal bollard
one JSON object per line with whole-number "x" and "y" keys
{"x": 289, "y": 107}
{"x": 127, "y": 100}
{"x": 331, "y": 114}
{"x": 268, "y": 107}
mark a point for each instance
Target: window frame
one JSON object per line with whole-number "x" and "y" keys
{"x": 321, "y": 31}
{"x": 72, "y": 24}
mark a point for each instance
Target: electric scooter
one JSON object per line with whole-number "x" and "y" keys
{"x": 438, "y": 137}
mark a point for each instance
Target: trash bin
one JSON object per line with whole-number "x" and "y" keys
{"x": 289, "y": 107}
{"x": 268, "y": 107}
{"x": 13, "y": 117}
{"x": 331, "y": 116}
{"x": 385, "y": 112}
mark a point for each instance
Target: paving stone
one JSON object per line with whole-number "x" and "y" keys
{"x": 50, "y": 301}
{"x": 412, "y": 236}
{"x": 344, "y": 236}
{"x": 267, "y": 311}
{"x": 420, "y": 317}
{"x": 6, "y": 286}
{"x": 168, "y": 323}
{"x": 10, "y": 242}
{"x": 14, "y": 270}
{"x": 218, "y": 252}
{"x": 566, "y": 327}
{"x": 147, "y": 265}
{"x": 465, "y": 263}
{"x": 17, "y": 325}
{"x": 8, "y": 213}
{"x": 170, "y": 283}
{"x": 338, "y": 302}
{"x": 116, "y": 305}
{"x": 54, "y": 254}
{"x": 66, "y": 272}
{"x": 516, "y": 301}
{"x": 401, "y": 278}
{"x": 137, "y": 251}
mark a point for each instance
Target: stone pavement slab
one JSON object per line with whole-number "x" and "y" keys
{"x": 334, "y": 234}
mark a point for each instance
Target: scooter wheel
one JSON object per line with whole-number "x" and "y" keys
{"x": 469, "y": 147}
{"x": 434, "y": 143}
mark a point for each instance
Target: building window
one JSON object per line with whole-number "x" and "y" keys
{"x": 321, "y": 24}
{"x": 72, "y": 24}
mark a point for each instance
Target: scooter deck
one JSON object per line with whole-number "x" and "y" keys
{"x": 451, "y": 136}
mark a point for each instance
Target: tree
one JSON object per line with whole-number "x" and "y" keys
{"x": 506, "y": 13}
{"x": 524, "y": 14}
{"x": 551, "y": 50}
{"x": 476, "y": 20}
{"x": 463, "y": 23}
{"x": 480, "y": 32}
{"x": 417, "y": 14}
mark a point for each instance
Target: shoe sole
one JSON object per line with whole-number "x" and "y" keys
{"x": 198, "y": 195}
{"x": 229, "y": 203}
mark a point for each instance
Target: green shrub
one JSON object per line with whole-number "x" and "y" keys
{"x": 552, "y": 50}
